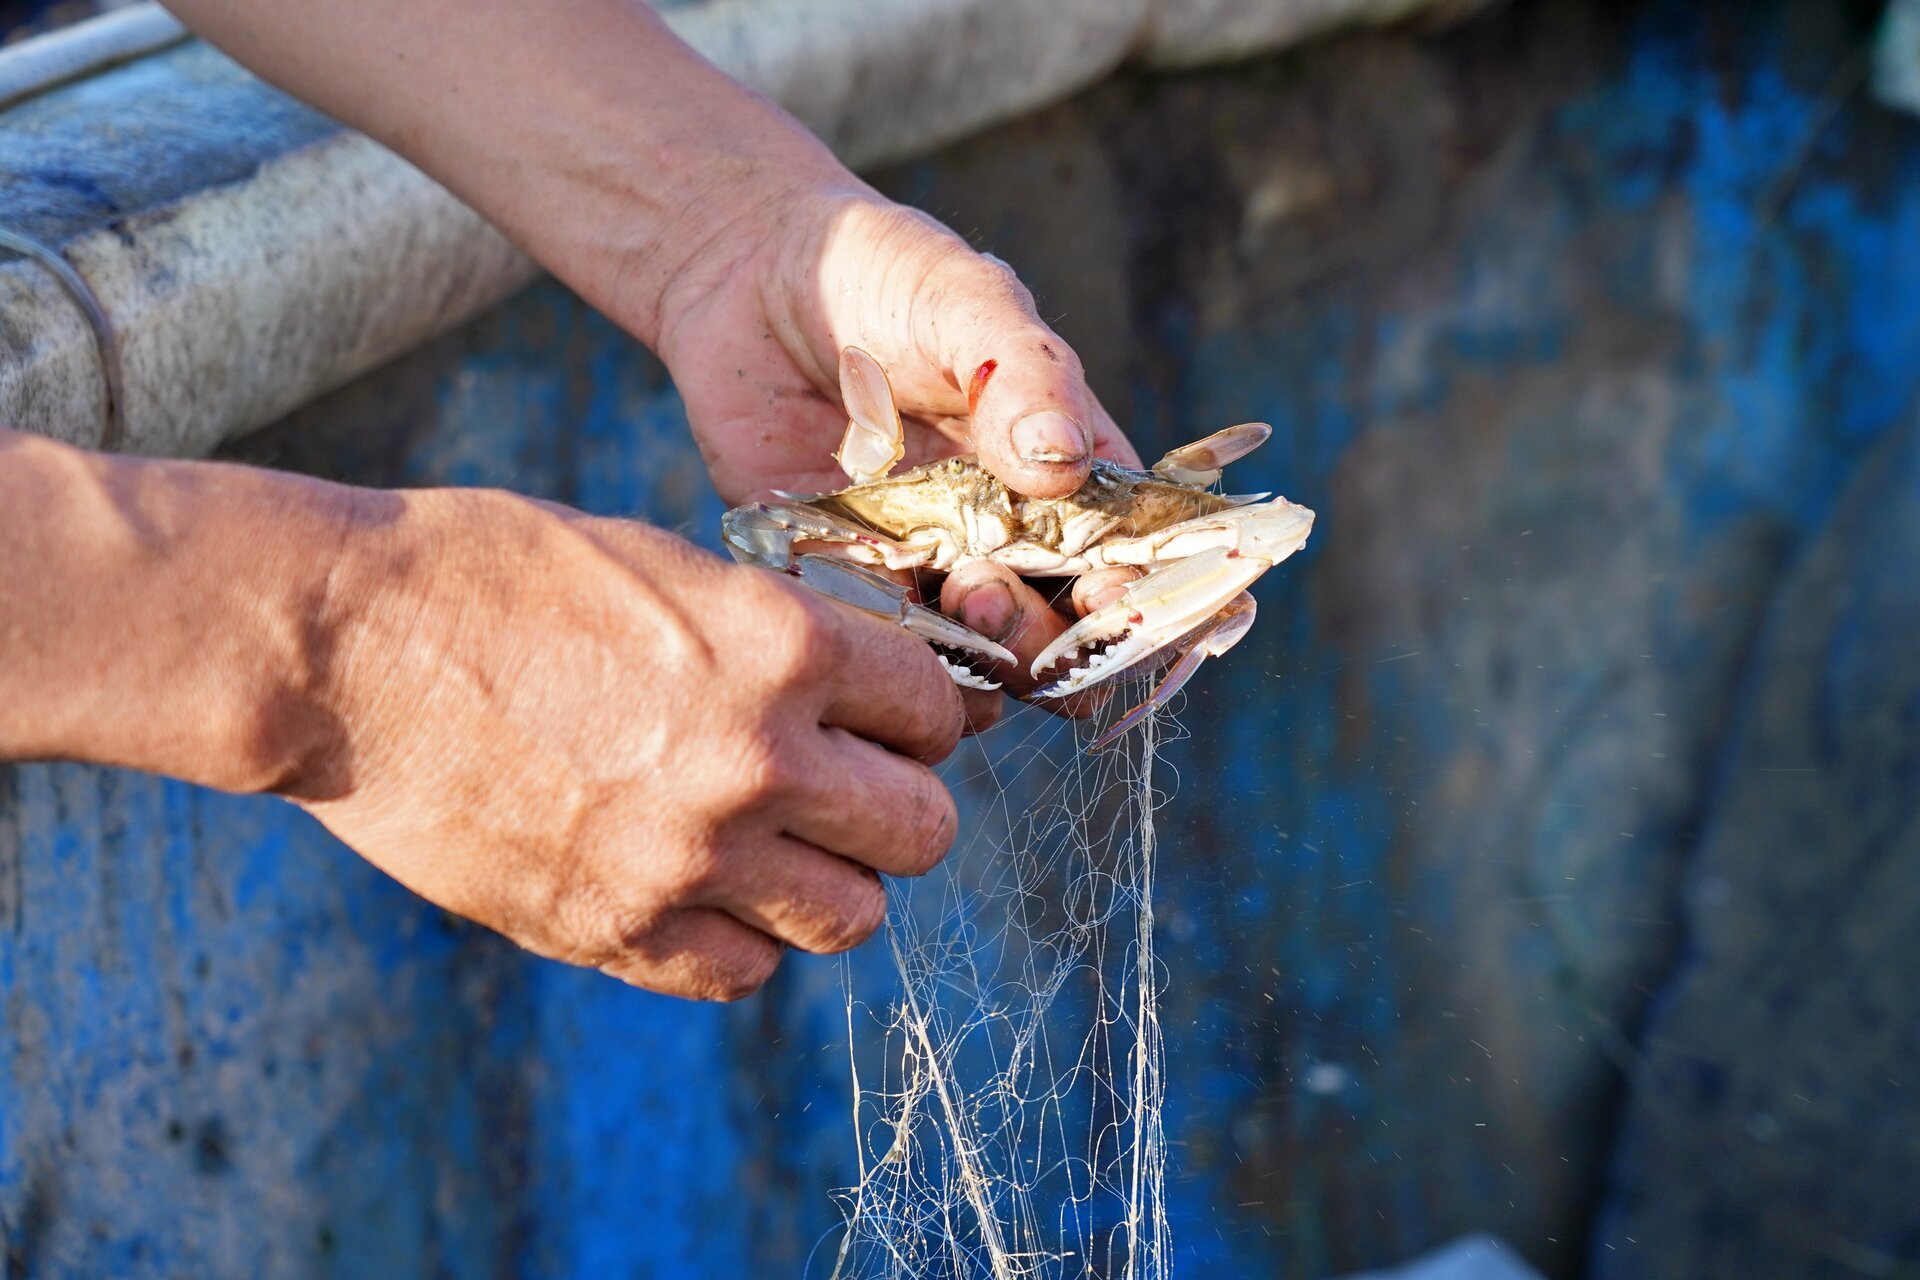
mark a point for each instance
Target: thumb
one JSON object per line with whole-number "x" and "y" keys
{"x": 1034, "y": 423}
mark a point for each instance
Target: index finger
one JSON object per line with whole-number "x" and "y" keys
{"x": 992, "y": 599}
{"x": 890, "y": 688}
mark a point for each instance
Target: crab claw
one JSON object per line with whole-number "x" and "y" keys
{"x": 1209, "y": 640}
{"x": 956, "y": 646}
{"x": 1201, "y": 462}
{"x": 1174, "y": 601}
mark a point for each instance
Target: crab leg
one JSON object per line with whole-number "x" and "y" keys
{"x": 1274, "y": 529}
{"x": 763, "y": 533}
{"x": 1209, "y": 640}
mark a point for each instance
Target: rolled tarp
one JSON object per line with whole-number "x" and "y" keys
{"x": 230, "y": 254}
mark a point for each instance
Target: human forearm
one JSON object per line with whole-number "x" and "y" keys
{"x": 609, "y": 745}
{"x": 709, "y": 224}
{"x": 165, "y": 616}
{"x": 588, "y": 132}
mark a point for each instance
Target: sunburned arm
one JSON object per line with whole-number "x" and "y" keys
{"x": 588, "y": 131}
{"x": 165, "y": 616}
{"x": 587, "y": 734}
{"x": 714, "y": 228}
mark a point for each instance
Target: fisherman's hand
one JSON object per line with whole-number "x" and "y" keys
{"x": 752, "y": 332}
{"x": 610, "y": 746}
{"x": 622, "y": 752}
{"x": 715, "y": 229}
{"x": 752, "y": 327}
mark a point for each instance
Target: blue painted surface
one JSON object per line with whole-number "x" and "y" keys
{"x": 1595, "y": 340}
{"x": 67, "y": 173}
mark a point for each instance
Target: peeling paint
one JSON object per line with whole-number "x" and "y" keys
{"x": 1590, "y": 336}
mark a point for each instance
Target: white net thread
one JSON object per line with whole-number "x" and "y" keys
{"x": 1007, "y": 1091}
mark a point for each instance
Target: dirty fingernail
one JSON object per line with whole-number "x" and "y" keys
{"x": 990, "y": 610}
{"x": 1050, "y": 437}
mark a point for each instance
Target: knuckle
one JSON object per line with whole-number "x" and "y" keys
{"x": 616, "y": 933}
{"x": 583, "y": 920}
{"x": 944, "y": 716}
{"x": 802, "y": 640}
{"x": 698, "y": 874}
{"x": 999, "y": 280}
{"x": 762, "y": 770}
{"x": 848, "y": 919}
{"x": 980, "y": 287}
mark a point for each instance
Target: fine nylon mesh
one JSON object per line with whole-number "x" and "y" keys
{"x": 1007, "y": 1090}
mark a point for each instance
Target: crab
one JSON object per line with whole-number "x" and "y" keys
{"x": 1201, "y": 549}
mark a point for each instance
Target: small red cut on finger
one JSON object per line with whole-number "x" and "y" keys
{"x": 978, "y": 383}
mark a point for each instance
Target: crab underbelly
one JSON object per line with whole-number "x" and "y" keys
{"x": 1030, "y": 560}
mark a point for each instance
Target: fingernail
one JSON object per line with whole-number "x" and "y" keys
{"x": 1050, "y": 437}
{"x": 1105, "y": 596}
{"x": 990, "y": 610}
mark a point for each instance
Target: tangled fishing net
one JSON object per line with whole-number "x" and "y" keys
{"x": 1007, "y": 1090}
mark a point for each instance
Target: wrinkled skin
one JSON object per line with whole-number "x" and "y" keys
{"x": 766, "y": 414}
{"x": 609, "y": 746}
{"x": 677, "y": 812}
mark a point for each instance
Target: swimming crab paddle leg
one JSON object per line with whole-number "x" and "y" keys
{"x": 1200, "y": 463}
{"x": 875, "y": 440}
{"x": 1211, "y": 639}
{"x": 956, "y": 646}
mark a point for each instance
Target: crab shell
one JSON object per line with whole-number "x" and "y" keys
{"x": 947, "y": 512}
{"x": 1201, "y": 549}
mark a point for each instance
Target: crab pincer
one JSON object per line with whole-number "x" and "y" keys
{"x": 1196, "y": 607}
{"x": 956, "y": 646}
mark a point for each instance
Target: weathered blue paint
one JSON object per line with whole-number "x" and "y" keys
{"x": 201, "y": 122}
{"x": 1595, "y": 339}
{"x": 183, "y": 973}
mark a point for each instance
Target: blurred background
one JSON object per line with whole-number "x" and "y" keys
{"x": 1546, "y": 862}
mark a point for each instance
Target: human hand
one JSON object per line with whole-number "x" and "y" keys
{"x": 715, "y": 229}
{"x": 753, "y": 324}
{"x": 619, "y": 751}
{"x": 752, "y": 329}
